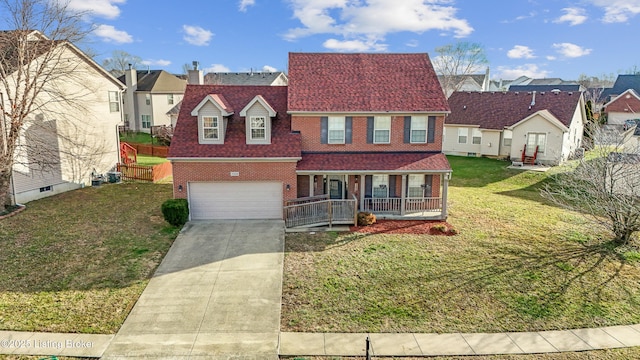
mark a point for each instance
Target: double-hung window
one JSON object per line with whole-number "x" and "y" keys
{"x": 416, "y": 186}
{"x": 419, "y": 129}
{"x": 380, "y": 186}
{"x": 463, "y": 133}
{"x": 336, "y": 130}
{"x": 114, "y": 101}
{"x": 382, "y": 129}
{"x": 170, "y": 99}
{"x": 147, "y": 99}
{"x": 476, "y": 136}
{"x": 210, "y": 127}
{"x": 258, "y": 127}
{"x": 146, "y": 121}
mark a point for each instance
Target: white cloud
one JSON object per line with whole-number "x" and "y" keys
{"x": 550, "y": 57}
{"x": 520, "y": 52}
{"x": 216, "y": 68}
{"x": 354, "y": 45}
{"x": 244, "y": 4}
{"x": 530, "y": 70}
{"x": 159, "y": 62}
{"x": 573, "y": 16}
{"x": 616, "y": 11}
{"x": 412, "y": 43}
{"x": 195, "y": 35}
{"x": 360, "y": 23}
{"x": 268, "y": 68}
{"x": 100, "y": 8}
{"x": 108, "y": 33}
{"x": 571, "y": 50}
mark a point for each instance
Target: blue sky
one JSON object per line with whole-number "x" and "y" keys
{"x": 537, "y": 38}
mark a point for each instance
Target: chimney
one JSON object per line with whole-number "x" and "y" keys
{"x": 195, "y": 76}
{"x": 131, "y": 77}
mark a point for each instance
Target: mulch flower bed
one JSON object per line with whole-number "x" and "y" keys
{"x": 407, "y": 227}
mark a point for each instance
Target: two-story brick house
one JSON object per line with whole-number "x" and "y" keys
{"x": 364, "y": 128}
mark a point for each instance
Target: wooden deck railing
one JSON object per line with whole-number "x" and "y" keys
{"x": 305, "y": 212}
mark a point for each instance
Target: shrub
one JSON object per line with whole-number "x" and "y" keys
{"x": 366, "y": 218}
{"x": 439, "y": 228}
{"x": 452, "y": 231}
{"x": 176, "y": 211}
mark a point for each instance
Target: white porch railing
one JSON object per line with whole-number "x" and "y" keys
{"x": 394, "y": 205}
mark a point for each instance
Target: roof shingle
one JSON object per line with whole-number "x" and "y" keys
{"x": 325, "y": 82}
{"x": 497, "y": 110}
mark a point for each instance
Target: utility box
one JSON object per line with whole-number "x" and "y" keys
{"x": 114, "y": 177}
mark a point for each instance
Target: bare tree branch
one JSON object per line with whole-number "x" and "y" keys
{"x": 456, "y": 61}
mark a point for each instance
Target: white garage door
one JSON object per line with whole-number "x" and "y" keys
{"x": 235, "y": 200}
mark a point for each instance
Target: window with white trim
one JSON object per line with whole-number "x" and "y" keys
{"x": 476, "y": 136}
{"x": 210, "y": 127}
{"x": 336, "y": 127}
{"x": 382, "y": 129}
{"x": 507, "y": 135}
{"x": 418, "y": 129}
{"x": 537, "y": 139}
{"x": 258, "y": 127}
{"x": 170, "y": 99}
{"x": 416, "y": 186}
{"x": 380, "y": 186}
{"x": 114, "y": 101}
{"x": 147, "y": 99}
{"x": 463, "y": 133}
{"x": 146, "y": 121}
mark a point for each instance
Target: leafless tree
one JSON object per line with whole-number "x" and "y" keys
{"x": 455, "y": 61}
{"x": 41, "y": 86}
{"x": 120, "y": 61}
{"x": 604, "y": 185}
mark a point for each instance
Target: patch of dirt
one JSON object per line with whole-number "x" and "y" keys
{"x": 429, "y": 227}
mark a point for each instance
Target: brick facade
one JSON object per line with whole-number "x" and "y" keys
{"x": 309, "y": 128}
{"x": 184, "y": 172}
{"x": 624, "y": 104}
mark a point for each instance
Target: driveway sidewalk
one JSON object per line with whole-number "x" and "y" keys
{"x": 217, "y": 293}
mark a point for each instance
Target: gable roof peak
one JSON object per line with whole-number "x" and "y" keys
{"x": 218, "y": 101}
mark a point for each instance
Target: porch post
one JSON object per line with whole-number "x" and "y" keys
{"x": 445, "y": 190}
{"x": 311, "y": 189}
{"x": 361, "y": 194}
{"x": 403, "y": 199}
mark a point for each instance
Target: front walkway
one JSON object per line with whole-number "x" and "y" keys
{"x": 217, "y": 293}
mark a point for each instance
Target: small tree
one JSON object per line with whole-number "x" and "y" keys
{"x": 604, "y": 186}
{"x": 454, "y": 61}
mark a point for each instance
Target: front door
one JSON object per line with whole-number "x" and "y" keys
{"x": 335, "y": 189}
{"x": 535, "y": 140}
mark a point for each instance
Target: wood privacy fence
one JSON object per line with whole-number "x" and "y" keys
{"x": 148, "y": 149}
{"x": 144, "y": 172}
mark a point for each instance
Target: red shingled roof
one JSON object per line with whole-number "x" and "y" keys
{"x": 185, "y": 139}
{"x": 497, "y": 110}
{"x": 376, "y": 161}
{"x": 324, "y": 82}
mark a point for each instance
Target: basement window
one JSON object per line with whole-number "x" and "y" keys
{"x": 46, "y": 188}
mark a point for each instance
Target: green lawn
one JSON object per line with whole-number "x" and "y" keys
{"x": 136, "y": 137}
{"x": 150, "y": 160}
{"x": 78, "y": 261}
{"x": 518, "y": 264}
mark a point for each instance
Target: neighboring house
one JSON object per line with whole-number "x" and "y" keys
{"x": 545, "y": 127}
{"x": 342, "y": 129}
{"x": 150, "y": 95}
{"x": 471, "y": 82}
{"x": 622, "y": 84}
{"x": 63, "y": 142}
{"x": 625, "y": 106}
{"x": 547, "y": 88}
{"x": 276, "y": 78}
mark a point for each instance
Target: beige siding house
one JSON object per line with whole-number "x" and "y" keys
{"x": 544, "y": 128}
{"x": 63, "y": 142}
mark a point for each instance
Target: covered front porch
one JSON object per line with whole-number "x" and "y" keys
{"x": 396, "y": 186}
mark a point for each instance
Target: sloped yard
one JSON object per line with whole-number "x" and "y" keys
{"x": 517, "y": 264}
{"x": 78, "y": 261}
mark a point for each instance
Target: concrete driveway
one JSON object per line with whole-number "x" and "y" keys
{"x": 216, "y": 294}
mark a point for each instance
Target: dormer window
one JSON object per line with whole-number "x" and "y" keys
{"x": 210, "y": 127}
{"x": 258, "y": 126}
{"x": 258, "y": 116}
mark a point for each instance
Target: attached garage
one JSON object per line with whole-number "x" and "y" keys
{"x": 235, "y": 200}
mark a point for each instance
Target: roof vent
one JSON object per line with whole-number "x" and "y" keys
{"x": 517, "y": 92}
{"x": 465, "y": 107}
{"x": 570, "y": 92}
{"x": 533, "y": 100}
{"x": 555, "y": 91}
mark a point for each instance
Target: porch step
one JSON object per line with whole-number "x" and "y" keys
{"x": 529, "y": 160}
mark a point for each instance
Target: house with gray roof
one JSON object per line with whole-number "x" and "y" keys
{"x": 150, "y": 95}
{"x": 622, "y": 84}
{"x": 277, "y": 78}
